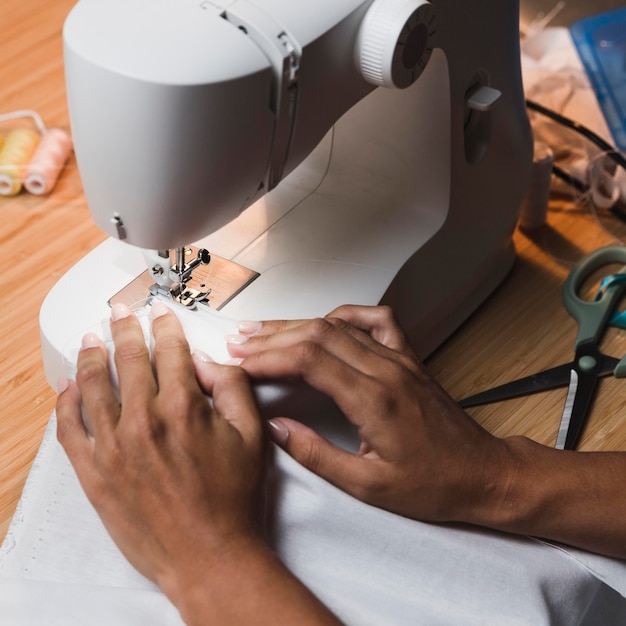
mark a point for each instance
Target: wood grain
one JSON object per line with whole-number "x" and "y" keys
{"x": 521, "y": 329}
{"x": 40, "y": 238}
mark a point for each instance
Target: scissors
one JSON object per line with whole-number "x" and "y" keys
{"x": 589, "y": 364}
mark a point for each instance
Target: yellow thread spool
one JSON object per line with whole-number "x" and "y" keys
{"x": 19, "y": 146}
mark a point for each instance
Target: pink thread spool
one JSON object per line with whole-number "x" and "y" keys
{"x": 47, "y": 162}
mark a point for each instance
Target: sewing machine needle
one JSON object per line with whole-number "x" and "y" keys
{"x": 180, "y": 269}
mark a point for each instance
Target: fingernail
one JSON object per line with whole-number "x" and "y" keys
{"x": 248, "y": 327}
{"x": 159, "y": 309}
{"x": 236, "y": 340}
{"x": 202, "y": 357}
{"x": 62, "y": 385}
{"x": 90, "y": 340}
{"x": 279, "y": 433}
{"x": 235, "y": 362}
{"x": 119, "y": 311}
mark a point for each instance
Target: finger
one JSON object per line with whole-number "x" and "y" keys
{"x": 267, "y": 327}
{"x": 336, "y": 337}
{"x": 132, "y": 358}
{"x": 317, "y": 454}
{"x": 172, "y": 356}
{"x": 379, "y": 321}
{"x": 96, "y": 389}
{"x": 71, "y": 431}
{"x": 404, "y": 356}
{"x": 232, "y": 395}
{"x": 371, "y": 325}
{"x": 321, "y": 369}
{"x": 323, "y": 331}
{"x": 204, "y": 371}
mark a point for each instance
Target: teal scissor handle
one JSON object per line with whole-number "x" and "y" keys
{"x": 592, "y": 317}
{"x": 620, "y": 368}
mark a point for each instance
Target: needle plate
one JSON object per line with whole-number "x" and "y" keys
{"x": 212, "y": 285}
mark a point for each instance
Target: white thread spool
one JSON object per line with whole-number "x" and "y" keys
{"x": 535, "y": 204}
{"x": 47, "y": 162}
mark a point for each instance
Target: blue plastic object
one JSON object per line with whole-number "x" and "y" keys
{"x": 601, "y": 44}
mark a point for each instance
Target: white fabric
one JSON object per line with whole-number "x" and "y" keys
{"x": 59, "y": 567}
{"x": 38, "y": 603}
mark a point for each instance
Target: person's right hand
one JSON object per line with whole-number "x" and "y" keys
{"x": 178, "y": 478}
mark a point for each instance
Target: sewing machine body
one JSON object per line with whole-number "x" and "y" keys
{"x": 409, "y": 198}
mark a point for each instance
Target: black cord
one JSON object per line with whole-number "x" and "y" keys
{"x": 610, "y": 150}
{"x": 569, "y": 179}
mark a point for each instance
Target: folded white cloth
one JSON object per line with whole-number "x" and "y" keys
{"x": 59, "y": 567}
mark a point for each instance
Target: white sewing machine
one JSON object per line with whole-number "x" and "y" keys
{"x": 329, "y": 152}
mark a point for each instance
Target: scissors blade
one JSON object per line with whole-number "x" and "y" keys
{"x": 549, "y": 379}
{"x": 579, "y": 396}
{"x": 552, "y": 378}
{"x": 566, "y": 417}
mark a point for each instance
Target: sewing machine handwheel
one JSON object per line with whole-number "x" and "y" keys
{"x": 395, "y": 42}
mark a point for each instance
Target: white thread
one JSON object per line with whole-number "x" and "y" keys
{"x": 16, "y": 115}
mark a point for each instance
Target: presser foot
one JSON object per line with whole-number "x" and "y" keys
{"x": 212, "y": 284}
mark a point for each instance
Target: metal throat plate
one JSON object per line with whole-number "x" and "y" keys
{"x": 212, "y": 285}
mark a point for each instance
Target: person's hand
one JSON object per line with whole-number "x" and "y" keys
{"x": 173, "y": 475}
{"x": 421, "y": 455}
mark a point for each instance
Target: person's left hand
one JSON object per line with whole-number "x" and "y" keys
{"x": 174, "y": 476}
{"x": 421, "y": 455}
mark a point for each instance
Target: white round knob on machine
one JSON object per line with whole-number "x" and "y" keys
{"x": 395, "y": 42}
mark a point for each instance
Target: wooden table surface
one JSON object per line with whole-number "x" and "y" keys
{"x": 40, "y": 238}
{"x": 522, "y": 328}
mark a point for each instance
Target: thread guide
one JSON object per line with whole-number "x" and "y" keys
{"x": 212, "y": 285}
